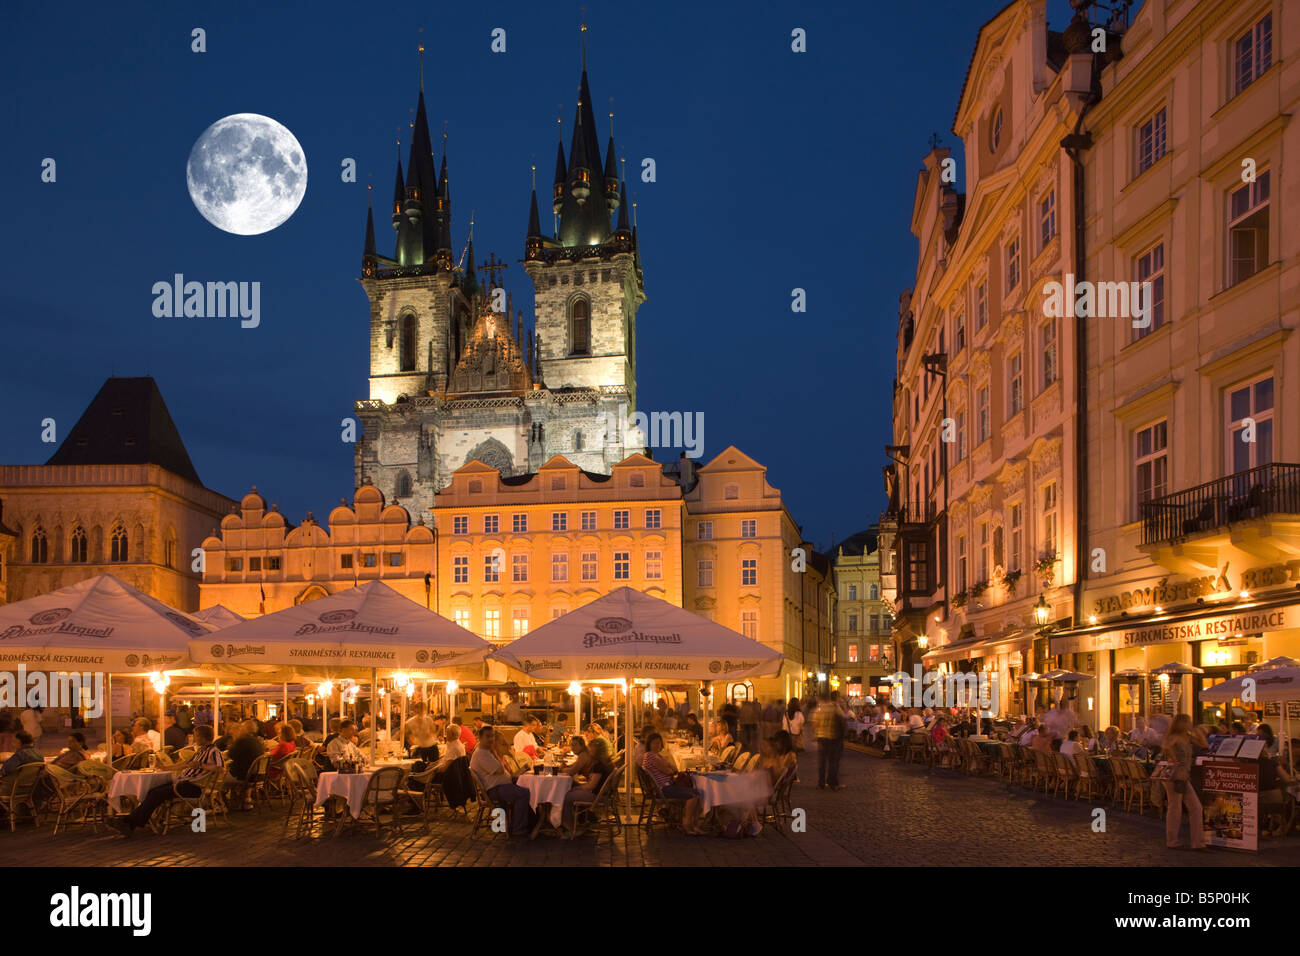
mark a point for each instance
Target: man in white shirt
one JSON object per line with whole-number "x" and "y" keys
{"x": 422, "y": 734}
{"x": 915, "y": 721}
{"x": 525, "y": 742}
{"x": 1070, "y": 746}
{"x": 344, "y": 747}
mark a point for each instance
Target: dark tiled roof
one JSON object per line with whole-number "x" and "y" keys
{"x": 854, "y": 544}
{"x": 127, "y": 423}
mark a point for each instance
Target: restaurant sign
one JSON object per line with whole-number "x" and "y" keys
{"x": 1194, "y": 629}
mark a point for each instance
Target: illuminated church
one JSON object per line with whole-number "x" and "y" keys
{"x": 454, "y": 377}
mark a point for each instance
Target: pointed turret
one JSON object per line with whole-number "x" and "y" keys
{"x": 534, "y": 220}
{"x": 623, "y": 230}
{"x": 444, "y": 212}
{"x": 469, "y": 281}
{"x": 561, "y": 175}
{"x": 584, "y": 214}
{"x": 399, "y": 194}
{"x": 611, "y": 172}
{"x": 422, "y": 162}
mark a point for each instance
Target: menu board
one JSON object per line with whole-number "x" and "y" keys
{"x": 1273, "y": 708}
{"x": 1158, "y": 695}
{"x": 1230, "y": 795}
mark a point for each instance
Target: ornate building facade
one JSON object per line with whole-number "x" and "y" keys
{"x": 454, "y": 377}
{"x": 119, "y": 495}
{"x": 863, "y": 624}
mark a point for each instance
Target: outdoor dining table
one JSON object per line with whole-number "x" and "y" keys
{"x": 730, "y": 789}
{"x": 135, "y": 783}
{"x": 352, "y": 786}
{"x": 689, "y": 758}
{"x": 547, "y": 788}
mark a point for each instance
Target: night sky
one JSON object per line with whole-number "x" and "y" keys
{"x": 775, "y": 170}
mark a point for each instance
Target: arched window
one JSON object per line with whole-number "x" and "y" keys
{"x": 577, "y": 441}
{"x": 875, "y": 592}
{"x": 40, "y": 546}
{"x": 169, "y": 551}
{"x": 118, "y": 550}
{"x": 403, "y": 488}
{"x": 406, "y": 346}
{"x": 78, "y": 555}
{"x": 580, "y": 327}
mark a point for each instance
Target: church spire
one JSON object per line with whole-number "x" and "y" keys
{"x": 585, "y": 207}
{"x": 444, "y": 210}
{"x": 469, "y": 281}
{"x": 399, "y": 190}
{"x": 369, "y": 258}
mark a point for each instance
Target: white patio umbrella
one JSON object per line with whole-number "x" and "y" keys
{"x": 633, "y": 635}
{"x": 99, "y": 625}
{"x": 1275, "y": 662}
{"x": 1280, "y": 684}
{"x": 219, "y": 616}
{"x": 365, "y": 628}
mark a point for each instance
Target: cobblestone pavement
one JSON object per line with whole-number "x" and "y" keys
{"x": 887, "y": 813}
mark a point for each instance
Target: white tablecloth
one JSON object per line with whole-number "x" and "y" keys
{"x": 135, "y": 784}
{"x": 543, "y": 788}
{"x": 688, "y": 758}
{"x": 733, "y": 789}
{"x": 350, "y": 786}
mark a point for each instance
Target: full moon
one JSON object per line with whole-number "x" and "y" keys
{"x": 246, "y": 174}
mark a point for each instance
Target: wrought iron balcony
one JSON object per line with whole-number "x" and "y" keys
{"x": 913, "y": 512}
{"x": 1255, "y": 493}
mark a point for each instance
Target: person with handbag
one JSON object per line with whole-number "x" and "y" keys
{"x": 1175, "y": 774}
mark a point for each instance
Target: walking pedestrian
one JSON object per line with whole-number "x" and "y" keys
{"x": 1177, "y": 749}
{"x": 828, "y": 726}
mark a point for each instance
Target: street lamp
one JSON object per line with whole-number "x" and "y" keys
{"x": 922, "y": 641}
{"x": 1041, "y": 612}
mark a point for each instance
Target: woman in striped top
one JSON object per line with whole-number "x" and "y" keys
{"x": 661, "y": 771}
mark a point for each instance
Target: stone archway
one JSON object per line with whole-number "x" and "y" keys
{"x": 493, "y": 454}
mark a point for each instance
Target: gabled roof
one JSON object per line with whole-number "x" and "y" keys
{"x": 722, "y": 461}
{"x": 127, "y": 423}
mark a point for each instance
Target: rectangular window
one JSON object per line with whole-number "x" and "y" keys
{"x": 960, "y": 582}
{"x": 1253, "y": 401}
{"x": 492, "y": 624}
{"x": 981, "y": 306}
{"x": 461, "y": 617}
{"x": 654, "y": 565}
{"x": 705, "y": 531}
{"x": 653, "y": 518}
{"x": 1047, "y": 341}
{"x": 237, "y": 564}
{"x": 369, "y": 559}
{"x": 622, "y": 565}
{"x": 1016, "y": 385}
{"x": 460, "y": 525}
{"x": 345, "y": 562}
{"x": 961, "y": 435}
{"x": 559, "y": 566}
{"x": 1151, "y": 269}
{"x": 875, "y": 624}
{"x": 255, "y": 564}
{"x": 983, "y": 424}
{"x": 520, "y": 523}
{"x": 749, "y": 528}
{"x": 1151, "y": 140}
{"x": 853, "y": 653}
{"x": 749, "y": 624}
{"x": 621, "y": 521}
{"x": 1047, "y": 219}
{"x": 984, "y": 552}
{"x": 1151, "y": 463}
{"x": 704, "y": 573}
{"x": 1248, "y": 229}
{"x": 749, "y": 572}
{"x": 958, "y": 333}
{"x": 519, "y": 622}
{"x": 1013, "y": 263}
{"x": 1252, "y": 54}
{"x": 918, "y": 576}
{"x": 853, "y": 593}
{"x": 1017, "y": 536}
{"x": 557, "y": 612}
{"x": 853, "y": 624}
{"x": 589, "y": 565}
{"x": 491, "y": 524}
{"x": 559, "y": 521}
{"x": 460, "y": 570}
{"x": 394, "y": 559}
{"x": 273, "y": 564}
{"x": 589, "y": 521}
{"x": 1050, "y": 544}
{"x": 519, "y": 568}
{"x": 491, "y": 568}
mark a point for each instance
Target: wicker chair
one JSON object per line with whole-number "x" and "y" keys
{"x": 180, "y": 809}
{"x": 300, "y": 787}
{"x": 381, "y": 794}
{"x": 743, "y": 761}
{"x": 778, "y": 810}
{"x": 918, "y": 748}
{"x": 18, "y": 791}
{"x": 1089, "y": 780}
{"x": 601, "y": 814}
{"x": 253, "y": 786}
{"x": 487, "y": 806}
{"x": 656, "y": 807}
{"x": 428, "y": 799}
{"x": 1065, "y": 774}
{"x": 75, "y": 799}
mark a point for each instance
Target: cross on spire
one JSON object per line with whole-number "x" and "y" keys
{"x": 490, "y": 270}
{"x": 934, "y": 140}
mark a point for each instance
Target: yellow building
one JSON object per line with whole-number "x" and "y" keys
{"x": 120, "y": 495}
{"x": 863, "y": 651}
{"x": 1194, "y": 494}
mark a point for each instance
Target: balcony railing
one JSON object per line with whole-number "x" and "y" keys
{"x": 1266, "y": 490}
{"x": 913, "y": 512}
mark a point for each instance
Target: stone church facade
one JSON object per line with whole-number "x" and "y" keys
{"x": 452, "y": 378}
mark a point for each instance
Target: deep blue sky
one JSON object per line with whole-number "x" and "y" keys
{"x": 775, "y": 170}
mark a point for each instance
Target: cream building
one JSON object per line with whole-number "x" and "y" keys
{"x": 1194, "y": 497}
{"x": 985, "y": 408}
{"x": 120, "y": 495}
{"x": 863, "y": 651}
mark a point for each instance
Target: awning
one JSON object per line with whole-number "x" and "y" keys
{"x": 958, "y": 650}
{"x": 1021, "y": 640}
{"x": 1200, "y": 624}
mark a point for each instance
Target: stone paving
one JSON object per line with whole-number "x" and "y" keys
{"x": 887, "y": 813}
